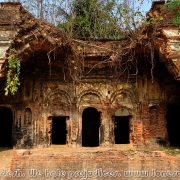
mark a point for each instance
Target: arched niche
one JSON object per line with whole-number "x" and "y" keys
{"x": 27, "y": 116}
{"x": 153, "y": 110}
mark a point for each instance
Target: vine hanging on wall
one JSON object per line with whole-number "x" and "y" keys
{"x": 12, "y": 77}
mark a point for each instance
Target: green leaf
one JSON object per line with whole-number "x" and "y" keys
{"x": 79, "y": 48}
{"x": 12, "y": 76}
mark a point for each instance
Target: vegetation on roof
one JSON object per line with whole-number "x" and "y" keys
{"x": 77, "y": 26}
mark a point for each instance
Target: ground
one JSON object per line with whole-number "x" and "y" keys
{"x": 71, "y": 161}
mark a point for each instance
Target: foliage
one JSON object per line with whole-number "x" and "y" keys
{"x": 176, "y": 20}
{"x": 97, "y": 19}
{"x": 109, "y": 19}
{"x": 150, "y": 21}
{"x": 171, "y": 6}
{"x": 90, "y": 18}
{"x": 12, "y": 79}
{"x": 171, "y": 151}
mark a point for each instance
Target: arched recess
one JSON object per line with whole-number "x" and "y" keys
{"x": 153, "y": 110}
{"x": 28, "y": 116}
{"x": 93, "y": 100}
{"x": 59, "y": 111}
{"x": 6, "y": 120}
{"x": 122, "y": 111}
{"x": 90, "y": 127}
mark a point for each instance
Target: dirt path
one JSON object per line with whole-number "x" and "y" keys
{"x": 53, "y": 149}
{"x": 6, "y": 156}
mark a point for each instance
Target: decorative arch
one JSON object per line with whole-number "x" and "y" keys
{"x": 7, "y": 106}
{"x": 59, "y": 102}
{"x": 122, "y": 99}
{"x": 89, "y": 99}
{"x": 93, "y": 92}
{"x": 131, "y": 95}
{"x": 57, "y": 92}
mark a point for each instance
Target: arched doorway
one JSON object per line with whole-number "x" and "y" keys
{"x": 6, "y": 127}
{"x": 90, "y": 127}
{"x": 173, "y": 124}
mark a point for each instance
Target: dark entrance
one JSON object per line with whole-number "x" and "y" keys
{"x": 90, "y": 127}
{"x": 59, "y": 130}
{"x": 6, "y": 127}
{"x": 173, "y": 124}
{"x": 121, "y": 129}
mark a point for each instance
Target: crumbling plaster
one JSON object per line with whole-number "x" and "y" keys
{"x": 144, "y": 98}
{"x": 146, "y": 110}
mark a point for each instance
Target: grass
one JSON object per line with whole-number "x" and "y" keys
{"x": 171, "y": 151}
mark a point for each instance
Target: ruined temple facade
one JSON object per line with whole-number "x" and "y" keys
{"x": 141, "y": 109}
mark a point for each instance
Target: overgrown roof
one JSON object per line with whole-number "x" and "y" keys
{"x": 32, "y": 35}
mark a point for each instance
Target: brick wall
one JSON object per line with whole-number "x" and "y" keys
{"x": 113, "y": 161}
